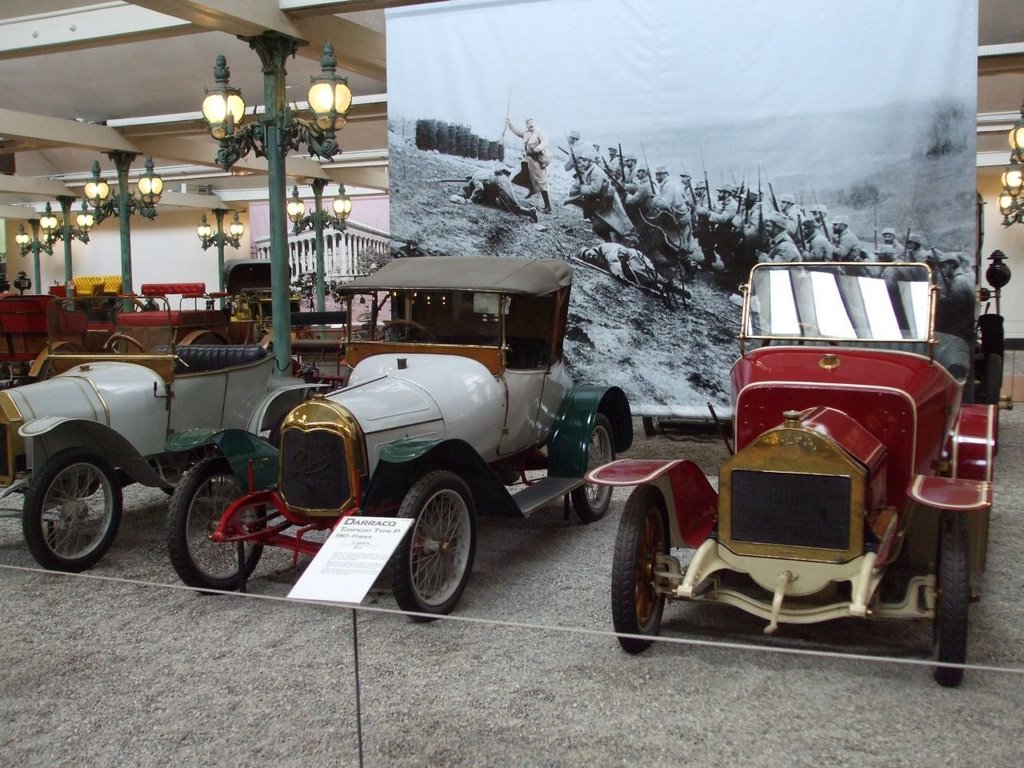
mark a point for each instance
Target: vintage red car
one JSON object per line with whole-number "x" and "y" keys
{"x": 860, "y": 485}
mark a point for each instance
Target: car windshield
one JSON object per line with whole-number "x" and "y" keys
{"x": 832, "y": 302}
{"x": 438, "y": 317}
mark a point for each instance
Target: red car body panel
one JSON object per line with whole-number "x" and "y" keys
{"x": 972, "y": 445}
{"x": 909, "y": 406}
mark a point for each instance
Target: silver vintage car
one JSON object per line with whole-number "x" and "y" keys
{"x": 457, "y": 400}
{"x": 70, "y": 443}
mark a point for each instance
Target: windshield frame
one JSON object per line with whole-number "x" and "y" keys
{"x": 748, "y": 332}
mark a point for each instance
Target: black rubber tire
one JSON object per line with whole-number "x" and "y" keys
{"x": 195, "y": 508}
{"x": 952, "y": 600}
{"x": 590, "y": 500}
{"x": 652, "y": 426}
{"x": 993, "y": 378}
{"x": 636, "y": 606}
{"x": 61, "y": 478}
{"x": 455, "y": 542}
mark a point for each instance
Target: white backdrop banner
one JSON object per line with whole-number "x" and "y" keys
{"x": 848, "y": 126}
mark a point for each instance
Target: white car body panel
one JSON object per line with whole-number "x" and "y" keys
{"x": 431, "y": 397}
{"x": 224, "y": 398}
{"x": 87, "y": 392}
{"x": 534, "y": 397}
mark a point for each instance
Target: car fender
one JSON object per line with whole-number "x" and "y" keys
{"x": 929, "y": 498}
{"x": 252, "y": 459}
{"x": 403, "y": 461}
{"x": 569, "y": 444}
{"x": 275, "y": 405}
{"x": 48, "y": 435}
{"x": 690, "y": 500}
{"x": 973, "y": 442}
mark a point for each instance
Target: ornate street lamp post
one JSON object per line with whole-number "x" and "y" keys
{"x": 1011, "y": 201}
{"x": 34, "y": 244}
{"x": 67, "y": 232}
{"x": 317, "y": 219}
{"x": 272, "y": 135}
{"x": 208, "y": 238}
{"x": 97, "y": 192}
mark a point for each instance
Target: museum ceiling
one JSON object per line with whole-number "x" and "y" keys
{"x": 80, "y": 79}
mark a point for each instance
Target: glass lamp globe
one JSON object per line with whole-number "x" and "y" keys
{"x": 342, "y": 206}
{"x": 223, "y": 105}
{"x": 97, "y": 190}
{"x": 85, "y": 219}
{"x": 151, "y": 186}
{"x": 204, "y": 230}
{"x": 296, "y": 208}
{"x": 1013, "y": 179}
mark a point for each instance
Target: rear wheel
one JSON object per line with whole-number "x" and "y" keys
{"x": 196, "y": 507}
{"x": 591, "y": 500}
{"x": 636, "y": 605}
{"x": 434, "y": 560}
{"x": 72, "y": 511}
{"x": 950, "y": 627}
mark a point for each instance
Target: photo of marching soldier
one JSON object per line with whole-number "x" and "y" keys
{"x": 662, "y": 207}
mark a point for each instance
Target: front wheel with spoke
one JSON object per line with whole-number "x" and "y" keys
{"x": 954, "y": 595}
{"x": 72, "y": 511}
{"x": 433, "y": 562}
{"x": 591, "y": 500}
{"x": 637, "y": 605}
{"x": 198, "y": 503}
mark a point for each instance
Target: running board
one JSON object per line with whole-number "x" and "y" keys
{"x": 546, "y": 490}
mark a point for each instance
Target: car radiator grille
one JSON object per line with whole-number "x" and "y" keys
{"x": 791, "y": 509}
{"x": 314, "y": 469}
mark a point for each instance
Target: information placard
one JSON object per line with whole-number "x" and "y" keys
{"x": 351, "y": 559}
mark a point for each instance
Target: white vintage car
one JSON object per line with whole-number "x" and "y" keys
{"x": 458, "y": 389}
{"x": 71, "y": 443}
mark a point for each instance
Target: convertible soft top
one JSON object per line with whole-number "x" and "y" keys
{"x": 536, "y": 277}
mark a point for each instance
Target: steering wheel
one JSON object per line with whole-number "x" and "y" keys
{"x": 421, "y": 329}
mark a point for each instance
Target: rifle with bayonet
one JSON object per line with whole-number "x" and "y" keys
{"x": 650, "y": 176}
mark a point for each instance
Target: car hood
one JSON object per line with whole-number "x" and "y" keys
{"x": 103, "y": 392}
{"x": 391, "y": 391}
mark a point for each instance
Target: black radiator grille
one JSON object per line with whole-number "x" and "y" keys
{"x": 5, "y": 459}
{"x": 314, "y": 469}
{"x": 792, "y": 509}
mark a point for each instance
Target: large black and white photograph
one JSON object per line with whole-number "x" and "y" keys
{"x": 663, "y": 149}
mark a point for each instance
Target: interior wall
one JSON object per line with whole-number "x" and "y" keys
{"x": 166, "y": 249}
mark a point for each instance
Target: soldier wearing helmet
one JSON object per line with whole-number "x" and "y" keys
{"x": 955, "y": 311}
{"x": 789, "y": 209}
{"x": 816, "y": 246}
{"x": 889, "y": 238}
{"x": 847, "y": 244}
{"x": 782, "y": 249}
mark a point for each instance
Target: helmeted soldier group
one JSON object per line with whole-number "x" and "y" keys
{"x": 659, "y": 228}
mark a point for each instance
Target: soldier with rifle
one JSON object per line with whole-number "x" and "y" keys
{"x": 594, "y": 193}
{"x": 782, "y": 249}
{"x": 847, "y": 244}
{"x": 492, "y": 188}
{"x": 814, "y": 245}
